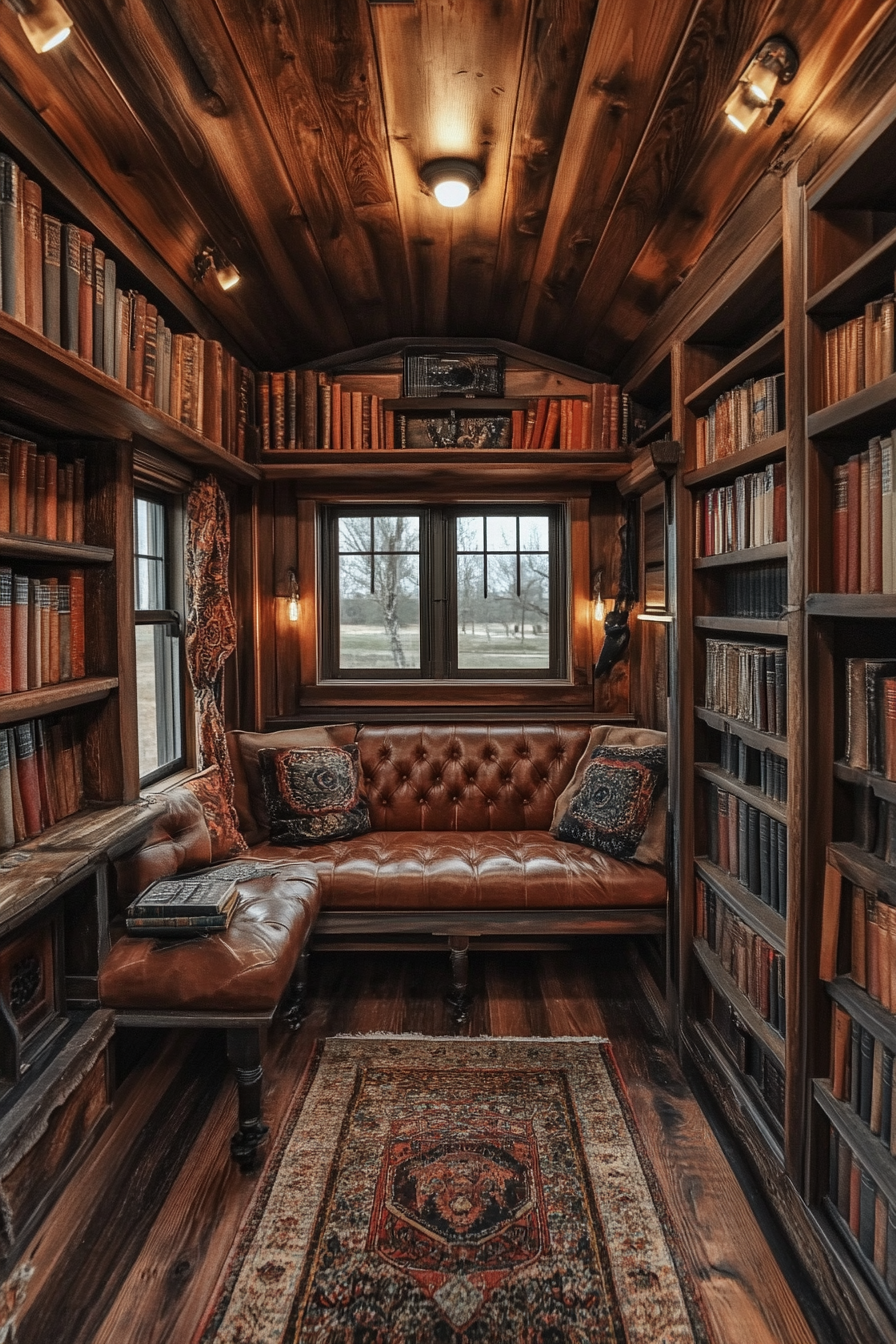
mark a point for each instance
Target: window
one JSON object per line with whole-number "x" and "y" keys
{"x": 158, "y": 585}
{"x": 470, "y": 591}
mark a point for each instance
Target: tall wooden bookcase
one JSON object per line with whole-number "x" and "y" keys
{"x": 830, "y": 250}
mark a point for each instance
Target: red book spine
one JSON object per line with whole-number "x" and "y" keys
{"x": 31, "y": 489}
{"x": 5, "y": 630}
{"x": 78, "y": 470}
{"x": 5, "y": 465}
{"x": 551, "y": 426}
{"x": 18, "y": 487}
{"x": 841, "y": 529}
{"x": 854, "y": 528}
{"x": 517, "y": 429}
{"x": 29, "y": 783}
{"x": 76, "y": 584}
{"x": 19, "y": 633}
{"x": 541, "y": 415}
{"x": 576, "y": 443}
{"x": 52, "y": 496}
{"x": 614, "y": 418}
{"x": 889, "y": 696}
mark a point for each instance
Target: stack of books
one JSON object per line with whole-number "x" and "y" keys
{"x": 747, "y": 682}
{"x": 859, "y": 353}
{"x": 183, "y": 907}
{"x": 744, "y": 416}
{"x": 865, "y": 520}
{"x": 752, "y": 511}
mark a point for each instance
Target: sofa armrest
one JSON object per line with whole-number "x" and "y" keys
{"x": 179, "y": 841}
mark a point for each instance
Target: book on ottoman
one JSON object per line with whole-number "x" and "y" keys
{"x": 182, "y": 906}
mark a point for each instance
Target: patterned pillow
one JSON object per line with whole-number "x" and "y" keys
{"x": 313, "y": 794}
{"x": 208, "y": 788}
{"x": 611, "y": 810}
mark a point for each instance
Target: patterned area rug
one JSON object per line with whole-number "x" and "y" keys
{"x": 460, "y": 1191}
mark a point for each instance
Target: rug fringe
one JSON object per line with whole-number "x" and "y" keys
{"x": 422, "y": 1036}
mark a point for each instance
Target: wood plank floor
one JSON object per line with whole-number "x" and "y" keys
{"x": 132, "y": 1251}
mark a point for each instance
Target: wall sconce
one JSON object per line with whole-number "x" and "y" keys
{"x": 45, "y": 22}
{"x": 600, "y": 610}
{"x": 211, "y": 259}
{"x": 774, "y": 63}
{"x": 292, "y": 605}
{"x": 451, "y": 181}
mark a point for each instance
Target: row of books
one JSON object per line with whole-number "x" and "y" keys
{"x": 859, "y": 353}
{"x": 866, "y": 1217}
{"x": 40, "y": 496}
{"x": 871, "y": 715}
{"x": 41, "y": 630}
{"x": 865, "y": 520}
{"x": 58, "y": 282}
{"x": 872, "y": 958}
{"x": 752, "y": 511}
{"x": 747, "y": 682}
{"x": 41, "y": 776}
{"x": 764, "y": 770}
{"x": 862, "y": 1075}
{"x": 749, "y": 844}
{"x": 738, "y": 418}
{"x": 874, "y": 825}
{"x": 752, "y": 1061}
{"x": 754, "y": 965}
{"x": 756, "y": 591}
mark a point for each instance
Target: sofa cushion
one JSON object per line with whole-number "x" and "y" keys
{"x": 611, "y": 810}
{"x": 313, "y": 794}
{"x": 248, "y": 793}
{"x": 469, "y": 776}
{"x": 244, "y": 969}
{"x": 486, "y": 870}
{"x": 208, "y": 787}
{"x": 652, "y": 849}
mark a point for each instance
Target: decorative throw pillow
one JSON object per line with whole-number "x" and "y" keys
{"x": 611, "y": 810}
{"x": 248, "y": 790}
{"x": 208, "y": 789}
{"x": 313, "y": 794}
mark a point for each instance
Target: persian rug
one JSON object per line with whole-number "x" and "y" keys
{"x": 460, "y": 1191}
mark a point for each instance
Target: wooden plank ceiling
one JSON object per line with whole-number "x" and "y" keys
{"x": 291, "y": 132}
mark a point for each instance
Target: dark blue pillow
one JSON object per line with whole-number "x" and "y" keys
{"x": 611, "y": 810}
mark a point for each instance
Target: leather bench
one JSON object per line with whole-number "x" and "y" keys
{"x": 234, "y": 980}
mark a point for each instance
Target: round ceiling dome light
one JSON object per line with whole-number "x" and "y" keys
{"x": 451, "y": 181}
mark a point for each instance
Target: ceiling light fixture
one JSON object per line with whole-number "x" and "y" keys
{"x": 45, "y": 22}
{"x": 451, "y": 181}
{"x": 774, "y": 63}
{"x": 210, "y": 259}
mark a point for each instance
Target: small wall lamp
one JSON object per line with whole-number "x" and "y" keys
{"x": 599, "y": 606}
{"x": 44, "y": 22}
{"x": 292, "y": 606}
{"x": 451, "y": 181}
{"x": 211, "y": 259}
{"x": 774, "y": 63}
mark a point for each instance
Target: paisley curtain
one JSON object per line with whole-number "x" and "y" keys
{"x": 211, "y": 626}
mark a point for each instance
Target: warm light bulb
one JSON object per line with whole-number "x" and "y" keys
{"x": 228, "y": 276}
{"x": 292, "y": 609}
{"x": 46, "y": 24}
{"x": 451, "y": 192}
{"x": 740, "y": 110}
{"x": 599, "y": 609}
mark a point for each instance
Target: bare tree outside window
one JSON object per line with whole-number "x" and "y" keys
{"x": 503, "y": 591}
{"x": 379, "y": 591}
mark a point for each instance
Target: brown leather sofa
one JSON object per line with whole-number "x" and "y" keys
{"x": 460, "y": 844}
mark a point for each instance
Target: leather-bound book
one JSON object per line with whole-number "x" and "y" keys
{"x": 324, "y": 412}
{"x": 290, "y": 379}
{"x": 85, "y": 297}
{"x": 278, "y": 411}
{"x": 854, "y": 505}
{"x": 47, "y": 799}
{"x": 197, "y": 398}
{"x": 34, "y": 633}
{"x": 5, "y": 630}
{"x": 880, "y": 1233}
{"x": 76, "y": 730}
{"x": 886, "y": 1099}
{"x": 863, "y": 515}
{"x": 753, "y": 880}
{"x": 541, "y": 415}
{"x": 150, "y": 354}
{"x": 336, "y": 401}
{"x": 345, "y": 422}
{"x": 864, "y": 817}
{"x": 871, "y": 522}
{"x": 110, "y": 316}
{"x": 53, "y": 623}
{"x": 782, "y": 869}
{"x": 51, "y": 232}
{"x": 213, "y": 390}
{"x": 867, "y": 1198}
{"x": 855, "y": 1065}
{"x": 357, "y": 421}
{"x": 20, "y": 587}
{"x": 64, "y": 602}
{"x": 551, "y": 425}
{"x": 66, "y": 506}
{"x": 888, "y": 514}
{"x": 876, "y": 670}
{"x": 309, "y": 409}
{"x": 7, "y": 827}
{"x": 872, "y": 945}
{"x": 30, "y": 489}
{"x": 76, "y": 588}
{"x": 263, "y": 410}
{"x": 10, "y": 237}
{"x": 137, "y": 342}
{"x": 578, "y": 407}
{"x": 6, "y": 445}
{"x": 830, "y": 922}
{"x": 587, "y": 425}
{"x": 29, "y": 784}
{"x": 122, "y": 335}
{"x": 79, "y": 467}
{"x": 18, "y": 815}
{"x": 841, "y": 528}
{"x": 98, "y": 308}
{"x": 743, "y": 844}
{"x": 844, "y": 1174}
{"x": 376, "y": 423}
{"x": 366, "y": 435}
{"x": 888, "y": 720}
{"x": 721, "y": 827}
{"x": 52, "y": 496}
{"x": 18, "y": 486}
{"x": 33, "y": 255}
{"x": 43, "y": 615}
{"x": 66, "y": 765}
{"x": 877, "y": 1063}
{"x": 712, "y": 824}
{"x": 780, "y": 692}
{"x": 856, "y": 715}
{"x": 71, "y": 286}
{"x": 839, "y": 1051}
{"x": 858, "y": 961}
{"x": 765, "y": 857}
{"x": 40, "y": 495}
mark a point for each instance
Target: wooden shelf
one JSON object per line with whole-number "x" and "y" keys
{"x": 737, "y": 1092}
{"x": 866, "y": 779}
{"x": 469, "y": 405}
{"x": 867, "y": 1011}
{"x": 865, "y": 413}
{"x": 762, "y": 357}
{"x": 862, "y": 868}
{"x": 753, "y": 737}
{"x": 657, "y": 430}
{"x": 425, "y": 464}
{"x": 748, "y": 792}
{"x": 750, "y": 555}
{"x": 871, "y": 1153}
{"x": 868, "y": 278}
{"x": 760, "y": 917}
{"x": 746, "y": 625}
{"x": 40, "y": 550}
{"x": 853, "y": 606}
{"x": 748, "y": 459}
{"x": 54, "y": 699}
{"x": 727, "y": 986}
{"x": 63, "y": 394}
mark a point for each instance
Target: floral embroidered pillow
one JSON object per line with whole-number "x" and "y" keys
{"x": 612, "y": 808}
{"x": 313, "y": 794}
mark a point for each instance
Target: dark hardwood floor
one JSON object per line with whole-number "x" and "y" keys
{"x": 132, "y": 1251}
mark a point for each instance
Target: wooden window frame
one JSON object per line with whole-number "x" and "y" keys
{"x": 169, "y": 618}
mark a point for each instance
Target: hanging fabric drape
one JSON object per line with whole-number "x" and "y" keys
{"x": 211, "y": 626}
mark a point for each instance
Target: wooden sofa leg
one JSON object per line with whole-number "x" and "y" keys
{"x": 294, "y": 1014}
{"x": 244, "y": 1049}
{"x": 459, "y": 996}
